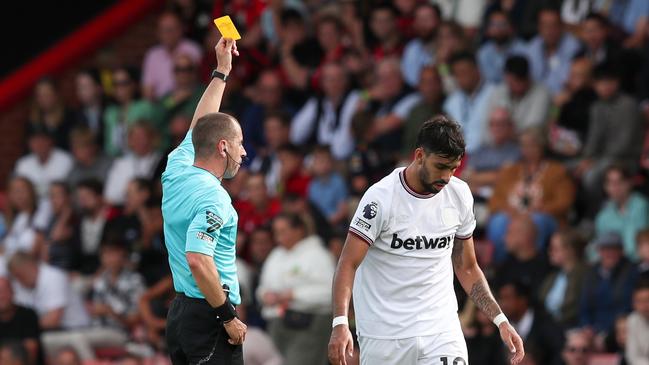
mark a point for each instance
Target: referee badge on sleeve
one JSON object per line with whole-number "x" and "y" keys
{"x": 204, "y": 237}
{"x": 214, "y": 222}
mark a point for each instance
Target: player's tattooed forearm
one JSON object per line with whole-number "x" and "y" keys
{"x": 483, "y": 299}
{"x": 458, "y": 250}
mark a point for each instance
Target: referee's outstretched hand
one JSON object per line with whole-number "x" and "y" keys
{"x": 224, "y": 51}
{"x": 341, "y": 345}
{"x": 236, "y": 330}
{"x": 513, "y": 342}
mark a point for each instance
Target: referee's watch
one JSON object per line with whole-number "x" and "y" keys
{"x": 219, "y": 75}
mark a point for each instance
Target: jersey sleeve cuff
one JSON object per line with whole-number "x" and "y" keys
{"x": 361, "y": 235}
{"x": 463, "y": 237}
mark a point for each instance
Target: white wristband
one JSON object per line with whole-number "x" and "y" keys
{"x": 340, "y": 320}
{"x": 500, "y": 319}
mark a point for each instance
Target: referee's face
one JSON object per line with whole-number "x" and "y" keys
{"x": 236, "y": 153}
{"x": 435, "y": 171}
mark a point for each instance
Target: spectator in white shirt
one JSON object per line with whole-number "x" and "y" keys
{"x": 19, "y": 214}
{"x": 45, "y": 163}
{"x": 295, "y": 292}
{"x": 326, "y": 119}
{"x": 141, "y": 161}
{"x": 637, "y": 346}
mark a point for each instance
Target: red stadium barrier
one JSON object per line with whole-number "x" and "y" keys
{"x": 83, "y": 41}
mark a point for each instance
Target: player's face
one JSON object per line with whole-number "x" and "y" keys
{"x": 435, "y": 171}
{"x": 237, "y": 154}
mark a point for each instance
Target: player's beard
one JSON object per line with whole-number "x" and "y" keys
{"x": 429, "y": 187}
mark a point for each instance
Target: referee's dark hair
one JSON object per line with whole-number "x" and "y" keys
{"x": 441, "y": 136}
{"x": 209, "y": 130}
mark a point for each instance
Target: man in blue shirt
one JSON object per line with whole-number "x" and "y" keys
{"x": 200, "y": 227}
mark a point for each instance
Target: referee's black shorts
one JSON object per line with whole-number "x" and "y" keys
{"x": 196, "y": 337}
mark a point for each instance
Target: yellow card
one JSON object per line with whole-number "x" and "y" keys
{"x": 227, "y": 28}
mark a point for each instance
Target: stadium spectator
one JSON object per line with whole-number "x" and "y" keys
{"x": 536, "y": 327}
{"x": 578, "y": 348}
{"x": 615, "y": 133}
{"x": 58, "y": 239}
{"x": 642, "y": 246}
{"x": 625, "y": 212}
{"x": 299, "y": 54}
{"x": 432, "y": 97}
{"x": 524, "y": 260}
{"x": 277, "y": 129}
{"x": 49, "y": 114}
{"x": 502, "y": 43}
{"x": 48, "y": 291}
{"x": 45, "y": 163}
{"x": 316, "y": 222}
{"x": 20, "y": 210}
{"x": 383, "y": 26}
{"x": 327, "y": 190}
{"x": 157, "y": 68}
{"x": 89, "y": 160}
{"x": 293, "y": 178}
{"x": 449, "y": 41}
{"x": 67, "y": 356}
{"x": 90, "y": 96}
{"x": 482, "y": 169}
{"x": 469, "y": 104}
{"x": 637, "y": 348}
{"x": 256, "y": 208}
{"x": 19, "y": 324}
{"x": 568, "y": 131}
{"x": 140, "y": 162}
{"x": 528, "y": 101}
{"x": 94, "y": 213}
{"x": 153, "y": 307}
{"x": 483, "y": 341}
{"x": 467, "y": 13}
{"x": 560, "y": 290}
{"x": 326, "y": 119}
{"x": 126, "y": 111}
{"x": 330, "y": 34}
{"x": 551, "y": 51}
{"x": 632, "y": 19}
{"x": 182, "y": 99}
{"x": 295, "y": 292}
{"x": 14, "y": 353}
{"x": 195, "y": 17}
{"x": 536, "y": 185}
{"x": 615, "y": 342}
{"x": 597, "y": 47}
{"x": 420, "y": 51}
{"x": 607, "y": 287}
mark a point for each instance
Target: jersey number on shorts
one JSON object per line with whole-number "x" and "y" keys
{"x": 457, "y": 361}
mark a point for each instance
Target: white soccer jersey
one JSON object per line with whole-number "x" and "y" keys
{"x": 404, "y": 286}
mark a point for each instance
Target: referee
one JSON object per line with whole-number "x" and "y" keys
{"x": 200, "y": 227}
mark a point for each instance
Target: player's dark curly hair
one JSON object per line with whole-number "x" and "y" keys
{"x": 441, "y": 136}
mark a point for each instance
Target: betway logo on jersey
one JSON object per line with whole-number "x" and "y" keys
{"x": 421, "y": 242}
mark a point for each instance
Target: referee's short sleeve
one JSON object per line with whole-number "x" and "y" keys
{"x": 204, "y": 230}
{"x": 367, "y": 222}
{"x": 183, "y": 154}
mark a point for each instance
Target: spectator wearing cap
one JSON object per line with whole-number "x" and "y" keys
{"x": 551, "y": 52}
{"x": 637, "y": 346}
{"x": 19, "y": 214}
{"x": 50, "y": 114}
{"x": 608, "y": 286}
{"x": 420, "y": 51}
{"x": 615, "y": 132}
{"x": 45, "y": 162}
{"x": 469, "y": 104}
{"x": 19, "y": 324}
{"x": 528, "y": 101}
{"x": 295, "y": 292}
{"x": 625, "y": 212}
{"x": 140, "y": 162}
{"x": 127, "y": 110}
{"x": 89, "y": 160}
{"x": 326, "y": 119}
{"x": 578, "y": 348}
{"x": 537, "y": 329}
{"x": 157, "y": 69}
{"x": 502, "y": 43}
{"x": 90, "y": 96}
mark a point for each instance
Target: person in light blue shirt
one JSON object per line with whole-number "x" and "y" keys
{"x": 327, "y": 190}
{"x": 200, "y": 227}
{"x": 420, "y": 51}
{"x": 469, "y": 104}
{"x": 551, "y": 52}
{"x": 501, "y": 44}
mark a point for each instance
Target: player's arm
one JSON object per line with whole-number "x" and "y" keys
{"x": 354, "y": 251}
{"x": 211, "y": 100}
{"x": 475, "y": 284}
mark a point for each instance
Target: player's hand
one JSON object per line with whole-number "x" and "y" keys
{"x": 236, "y": 330}
{"x": 341, "y": 345}
{"x": 513, "y": 342}
{"x": 224, "y": 51}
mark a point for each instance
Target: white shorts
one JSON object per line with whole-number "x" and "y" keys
{"x": 447, "y": 348}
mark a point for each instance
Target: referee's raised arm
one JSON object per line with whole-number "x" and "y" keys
{"x": 211, "y": 100}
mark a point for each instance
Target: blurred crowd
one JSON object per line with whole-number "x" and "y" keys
{"x": 553, "y": 99}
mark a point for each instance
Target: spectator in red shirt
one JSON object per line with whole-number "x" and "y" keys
{"x": 257, "y": 208}
{"x": 293, "y": 179}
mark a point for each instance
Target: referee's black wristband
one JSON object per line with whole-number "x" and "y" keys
{"x": 226, "y": 311}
